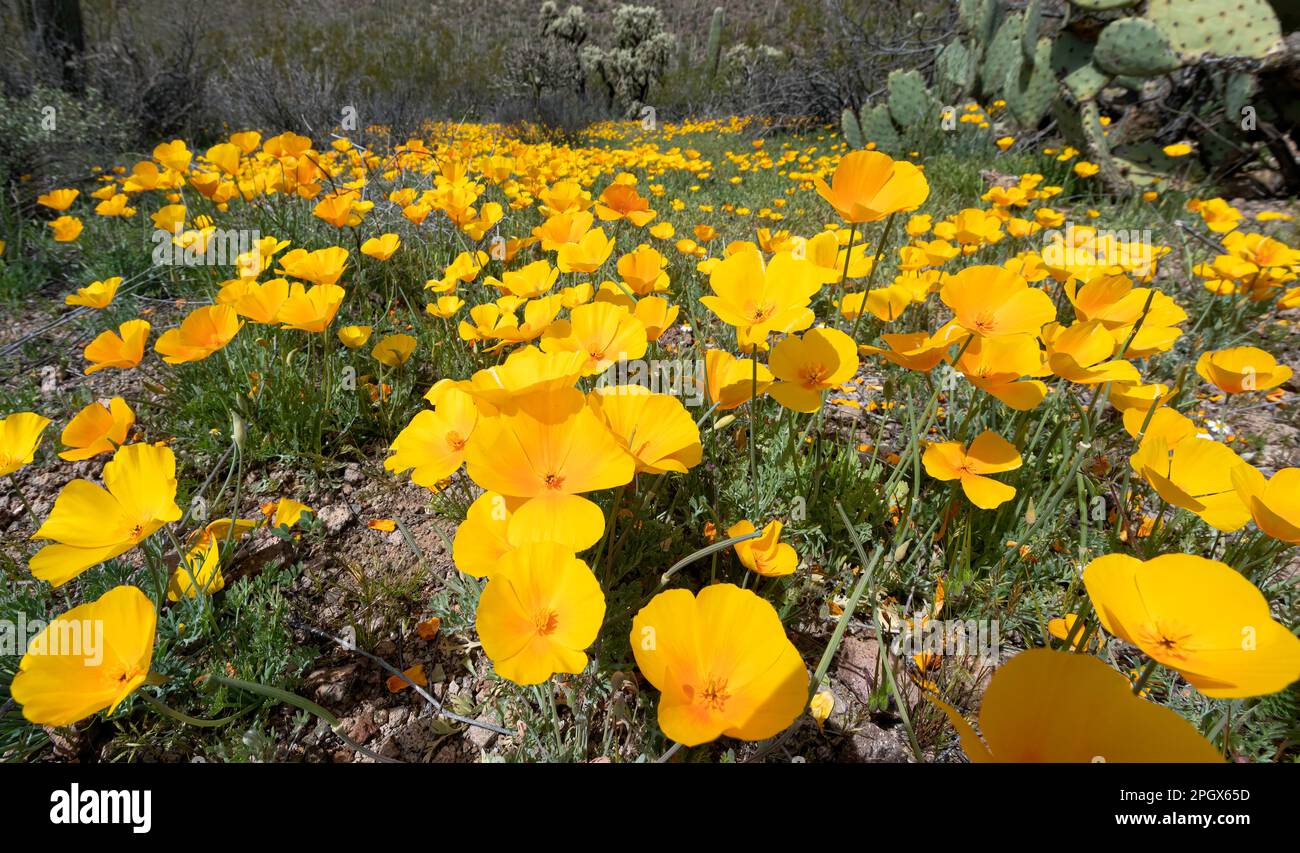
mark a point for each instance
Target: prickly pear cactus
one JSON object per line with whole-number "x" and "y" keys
{"x": 1069, "y": 122}
{"x": 1033, "y": 29}
{"x": 1094, "y": 135}
{"x": 878, "y": 128}
{"x": 1194, "y": 28}
{"x": 954, "y": 68}
{"x": 1102, "y": 5}
{"x": 980, "y": 18}
{"x": 1031, "y": 88}
{"x": 1002, "y": 56}
{"x": 1238, "y": 89}
{"x": 852, "y": 129}
{"x": 1072, "y": 61}
{"x": 910, "y": 103}
{"x": 1134, "y": 46}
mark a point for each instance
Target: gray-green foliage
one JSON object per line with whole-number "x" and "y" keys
{"x": 49, "y": 126}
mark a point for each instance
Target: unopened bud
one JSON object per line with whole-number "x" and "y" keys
{"x": 238, "y": 431}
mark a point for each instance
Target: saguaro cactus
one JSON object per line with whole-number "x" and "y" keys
{"x": 713, "y": 50}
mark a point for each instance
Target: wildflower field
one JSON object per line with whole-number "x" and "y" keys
{"x": 718, "y": 439}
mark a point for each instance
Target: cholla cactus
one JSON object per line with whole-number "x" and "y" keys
{"x": 552, "y": 62}
{"x": 638, "y": 60}
{"x": 743, "y": 62}
{"x": 570, "y": 27}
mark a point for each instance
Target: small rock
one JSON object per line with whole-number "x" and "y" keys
{"x": 481, "y": 737}
{"x": 362, "y": 728}
{"x": 335, "y": 517}
{"x": 855, "y": 666}
{"x": 352, "y": 473}
{"x": 873, "y": 745}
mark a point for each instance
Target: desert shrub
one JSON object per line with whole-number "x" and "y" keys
{"x": 49, "y": 134}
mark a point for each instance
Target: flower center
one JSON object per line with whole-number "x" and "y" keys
{"x": 759, "y": 313}
{"x": 455, "y": 441}
{"x": 554, "y": 482}
{"x": 1166, "y": 640}
{"x": 546, "y": 622}
{"x": 985, "y": 322}
{"x": 715, "y": 693}
{"x": 814, "y": 375}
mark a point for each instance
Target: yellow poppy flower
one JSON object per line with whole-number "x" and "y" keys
{"x": 122, "y": 349}
{"x": 311, "y": 309}
{"x": 20, "y": 436}
{"x": 1048, "y": 706}
{"x": 993, "y": 301}
{"x": 722, "y": 664}
{"x": 538, "y": 613}
{"x": 655, "y": 428}
{"x": 97, "y": 294}
{"x": 656, "y": 314}
{"x": 767, "y": 555}
{"x": 323, "y": 266}
{"x": 1274, "y": 502}
{"x": 433, "y": 443}
{"x": 1198, "y": 616}
{"x": 989, "y": 453}
{"x": 606, "y": 332}
{"x": 1241, "y": 369}
{"x": 394, "y": 350}
{"x": 90, "y": 524}
{"x": 59, "y": 687}
{"x": 868, "y": 186}
{"x": 66, "y": 228}
{"x": 586, "y": 255}
{"x": 759, "y": 299}
{"x": 97, "y": 429}
{"x": 807, "y": 367}
{"x": 203, "y": 331}
{"x": 381, "y": 248}
{"x": 354, "y": 337}
{"x": 528, "y": 451}
{"x": 58, "y": 200}
{"x": 730, "y": 381}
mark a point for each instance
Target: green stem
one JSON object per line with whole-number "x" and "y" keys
{"x": 1141, "y": 683}
{"x": 168, "y": 711}
{"x": 871, "y": 276}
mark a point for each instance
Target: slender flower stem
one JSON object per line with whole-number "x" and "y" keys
{"x": 753, "y": 431}
{"x": 1144, "y": 677}
{"x": 36, "y": 522}
{"x": 848, "y": 256}
{"x": 871, "y": 276}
